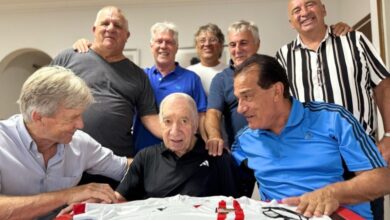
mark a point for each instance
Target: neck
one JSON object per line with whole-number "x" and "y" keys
{"x": 313, "y": 38}
{"x": 165, "y": 69}
{"x": 44, "y": 146}
{"x": 108, "y": 55}
{"x": 209, "y": 63}
{"x": 282, "y": 118}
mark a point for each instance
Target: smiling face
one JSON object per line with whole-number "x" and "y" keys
{"x": 110, "y": 31}
{"x": 254, "y": 103}
{"x": 242, "y": 45}
{"x": 178, "y": 126}
{"x": 60, "y": 127}
{"x": 164, "y": 48}
{"x": 208, "y": 47}
{"x": 306, "y": 16}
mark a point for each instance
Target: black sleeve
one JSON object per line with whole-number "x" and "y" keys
{"x": 132, "y": 185}
{"x": 246, "y": 180}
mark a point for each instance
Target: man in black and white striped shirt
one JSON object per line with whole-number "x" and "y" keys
{"x": 345, "y": 70}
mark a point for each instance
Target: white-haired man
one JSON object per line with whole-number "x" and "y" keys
{"x": 43, "y": 153}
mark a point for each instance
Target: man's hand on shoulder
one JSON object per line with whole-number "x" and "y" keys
{"x": 215, "y": 146}
{"x": 340, "y": 29}
{"x": 317, "y": 203}
{"x": 82, "y": 45}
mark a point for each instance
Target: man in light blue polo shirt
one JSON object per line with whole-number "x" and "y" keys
{"x": 297, "y": 150}
{"x": 43, "y": 153}
{"x": 167, "y": 77}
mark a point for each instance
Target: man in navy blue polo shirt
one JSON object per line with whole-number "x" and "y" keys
{"x": 167, "y": 77}
{"x": 297, "y": 150}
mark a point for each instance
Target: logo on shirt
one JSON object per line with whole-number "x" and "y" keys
{"x": 204, "y": 163}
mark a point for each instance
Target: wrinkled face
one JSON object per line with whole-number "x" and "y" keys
{"x": 254, "y": 103}
{"x": 208, "y": 46}
{"x": 306, "y": 15}
{"x": 60, "y": 127}
{"x": 178, "y": 126}
{"x": 164, "y": 48}
{"x": 111, "y": 31}
{"x": 242, "y": 45}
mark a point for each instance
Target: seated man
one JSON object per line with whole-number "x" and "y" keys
{"x": 43, "y": 153}
{"x": 297, "y": 150}
{"x": 181, "y": 164}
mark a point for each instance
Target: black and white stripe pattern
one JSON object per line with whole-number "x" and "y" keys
{"x": 344, "y": 70}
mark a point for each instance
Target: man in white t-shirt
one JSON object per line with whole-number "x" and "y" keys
{"x": 209, "y": 41}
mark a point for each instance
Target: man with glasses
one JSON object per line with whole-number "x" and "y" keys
{"x": 209, "y": 41}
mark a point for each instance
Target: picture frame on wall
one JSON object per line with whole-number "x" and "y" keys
{"x": 187, "y": 56}
{"x": 133, "y": 55}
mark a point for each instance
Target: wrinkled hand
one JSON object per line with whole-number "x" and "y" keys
{"x": 82, "y": 45}
{"x": 95, "y": 191}
{"x": 384, "y": 148}
{"x": 317, "y": 203}
{"x": 340, "y": 29}
{"x": 215, "y": 146}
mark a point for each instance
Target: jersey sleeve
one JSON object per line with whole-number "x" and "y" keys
{"x": 216, "y": 98}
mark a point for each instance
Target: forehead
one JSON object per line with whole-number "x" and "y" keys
{"x": 178, "y": 107}
{"x": 163, "y": 34}
{"x": 112, "y": 14}
{"x": 241, "y": 35}
{"x": 248, "y": 77}
{"x": 297, "y": 3}
{"x": 206, "y": 33}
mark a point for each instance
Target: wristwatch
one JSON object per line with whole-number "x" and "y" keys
{"x": 387, "y": 134}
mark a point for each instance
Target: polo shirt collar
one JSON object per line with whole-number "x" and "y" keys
{"x": 297, "y": 44}
{"x": 25, "y": 136}
{"x": 295, "y": 117}
{"x": 175, "y": 71}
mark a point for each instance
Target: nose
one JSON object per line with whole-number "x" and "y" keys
{"x": 110, "y": 27}
{"x": 175, "y": 129}
{"x": 241, "y": 107}
{"x": 79, "y": 124}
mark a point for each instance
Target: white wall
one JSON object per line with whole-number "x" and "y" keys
{"x": 52, "y": 30}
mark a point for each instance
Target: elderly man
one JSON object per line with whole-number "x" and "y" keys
{"x": 167, "y": 77}
{"x": 181, "y": 164}
{"x": 119, "y": 87}
{"x": 209, "y": 41}
{"x": 345, "y": 70}
{"x": 297, "y": 150}
{"x": 43, "y": 153}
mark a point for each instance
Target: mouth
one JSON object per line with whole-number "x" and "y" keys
{"x": 307, "y": 21}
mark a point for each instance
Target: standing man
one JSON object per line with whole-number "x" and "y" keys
{"x": 119, "y": 87}
{"x": 209, "y": 41}
{"x": 244, "y": 41}
{"x": 298, "y": 150}
{"x": 43, "y": 153}
{"x": 345, "y": 70}
{"x": 167, "y": 77}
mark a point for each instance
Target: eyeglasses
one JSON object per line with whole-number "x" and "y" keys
{"x": 283, "y": 213}
{"x": 212, "y": 40}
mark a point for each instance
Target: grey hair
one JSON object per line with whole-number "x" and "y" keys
{"x": 50, "y": 87}
{"x": 190, "y": 104}
{"x": 165, "y": 26}
{"x": 213, "y": 29}
{"x": 111, "y": 8}
{"x": 240, "y": 26}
